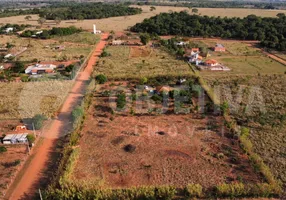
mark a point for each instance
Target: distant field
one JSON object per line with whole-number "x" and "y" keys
{"x": 127, "y": 62}
{"x": 43, "y": 50}
{"x": 122, "y": 23}
{"x": 82, "y": 38}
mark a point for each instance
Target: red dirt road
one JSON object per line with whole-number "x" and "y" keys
{"x": 28, "y": 184}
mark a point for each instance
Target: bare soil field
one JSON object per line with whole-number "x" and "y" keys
{"x": 130, "y": 62}
{"x": 9, "y": 163}
{"x": 122, "y": 23}
{"x": 24, "y": 100}
{"x": 267, "y": 128}
{"x": 123, "y": 150}
{"x": 44, "y": 50}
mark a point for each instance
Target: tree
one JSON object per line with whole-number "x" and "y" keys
{"x": 121, "y": 100}
{"x": 41, "y": 21}
{"x": 31, "y": 138}
{"x": 38, "y": 121}
{"x": 152, "y": 8}
{"x": 280, "y": 15}
{"x": 58, "y": 20}
{"x": 195, "y": 10}
{"x": 28, "y": 18}
{"x": 143, "y": 81}
{"x": 3, "y": 149}
{"x": 145, "y": 38}
{"x": 19, "y": 67}
{"x": 101, "y": 79}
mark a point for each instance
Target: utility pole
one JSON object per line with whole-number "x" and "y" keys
{"x": 40, "y": 194}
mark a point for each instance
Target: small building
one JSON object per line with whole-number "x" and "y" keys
{"x": 9, "y": 29}
{"x": 117, "y": 42}
{"x": 181, "y": 43}
{"x": 211, "y": 63}
{"x": 8, "y": 56}
{"x": 163, "y": 89}
{"x": 40, "y": 69}
{"x": 15, "y": 138}
{"x": 20, "y": 128}
{"x": 39, "y": 32}
{"x": 195, "y": 51}
{"x": 95, "y": 31}
{"x": 219, "y": 48}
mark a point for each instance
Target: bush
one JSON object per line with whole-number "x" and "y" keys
{"x": 101, "y": 79}
{"x": 38, "y": 121}
{"x": 231, "y": 190}
{"x": 157, "y": 98}
{"x": 31, "y": 138}
{"x": 121, "y": 100}
{"x": 3, "y": 149}
{"x": 104, "y": 53}
{"x": 194, "y": 190}
{"x": 77, "y": 114}
{"x": 143, "y": 81}
{"x": 165, "y": 192}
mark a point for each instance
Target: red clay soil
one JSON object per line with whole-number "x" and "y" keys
{"x": 28, "y": 184}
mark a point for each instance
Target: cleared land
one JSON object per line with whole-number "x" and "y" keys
{"x": 268, "y": 128}
{"x": 9, "y": 163}
{"x": 24, "y": 100}
{"x": 44, "y": 50}
{"x": 82, "y": 38}
{"x": 169, "y": 150}
{"x": 122, "y": 23}
{"x": 136, "y": 62}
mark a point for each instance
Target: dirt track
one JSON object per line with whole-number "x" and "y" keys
{"x": 29, "y": 183}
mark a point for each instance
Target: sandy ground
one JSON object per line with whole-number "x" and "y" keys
{"x": 122, "y": 23}
{"x": 29, "y": 182}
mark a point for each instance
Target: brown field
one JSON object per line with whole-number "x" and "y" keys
{"x": 136, "y": 62}
{"x": 122, "y": 23}
{"x": 24, "y": 100}
{"x": 9, "y": 164}
{"x": 43, "y": 50}
{"x": 170, "y": 150}
{"x": 267, "y": 130}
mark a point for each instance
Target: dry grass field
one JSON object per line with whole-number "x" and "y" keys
{"x": 140, "y": 61}
{"x": 9, "y": 163}
{"x": 43, "y": 50}
{"x": 242, "y": 58}
{"x": 24, "y": 100}
{"x": 81, "y": 38}
{"x": 267, "y": 129}
{"x": 169, "y": 150}
{"x": 122, "y": 23}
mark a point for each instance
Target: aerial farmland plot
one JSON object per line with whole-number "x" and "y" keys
{"x": 140, "y": 61}
{"x": 126, "y": 150}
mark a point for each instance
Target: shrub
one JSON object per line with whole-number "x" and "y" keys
{"x": 104, "y": 53}
{"x": 38, "y": 121}
{"x": 121, "y": 100}
{"x": 31, "y": 138}
{"x": 165, "y": 192}
{"x": 231, "y": 190}
{"x": 157, "y": 98}
{"x": 129, "y": 148}
{"x": 77, "y": 114}
{"x": 194, "y": 190}
{"x": 143, "y": 81}
{"x": 101, "y": 79}
{"x": 3, "y": 149}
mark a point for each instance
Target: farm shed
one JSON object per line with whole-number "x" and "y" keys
{"x": 219, "y": 47}
{"x": 15, "y": 138}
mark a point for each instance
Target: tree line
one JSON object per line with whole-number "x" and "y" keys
{"x": 56, "y": 31}
{"x": 217, "y": 4}
{"x": 271, "y": 32}
{"x": 88, "y": 11}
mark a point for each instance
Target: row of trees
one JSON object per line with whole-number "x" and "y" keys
{"x": 270, "y": 31}
{"x": 217, "y": 4}
{"x": 56, "y": 31}
{"x": 88, "y": 11}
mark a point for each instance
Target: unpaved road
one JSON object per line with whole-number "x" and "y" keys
{"x": 28, "y": 184}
